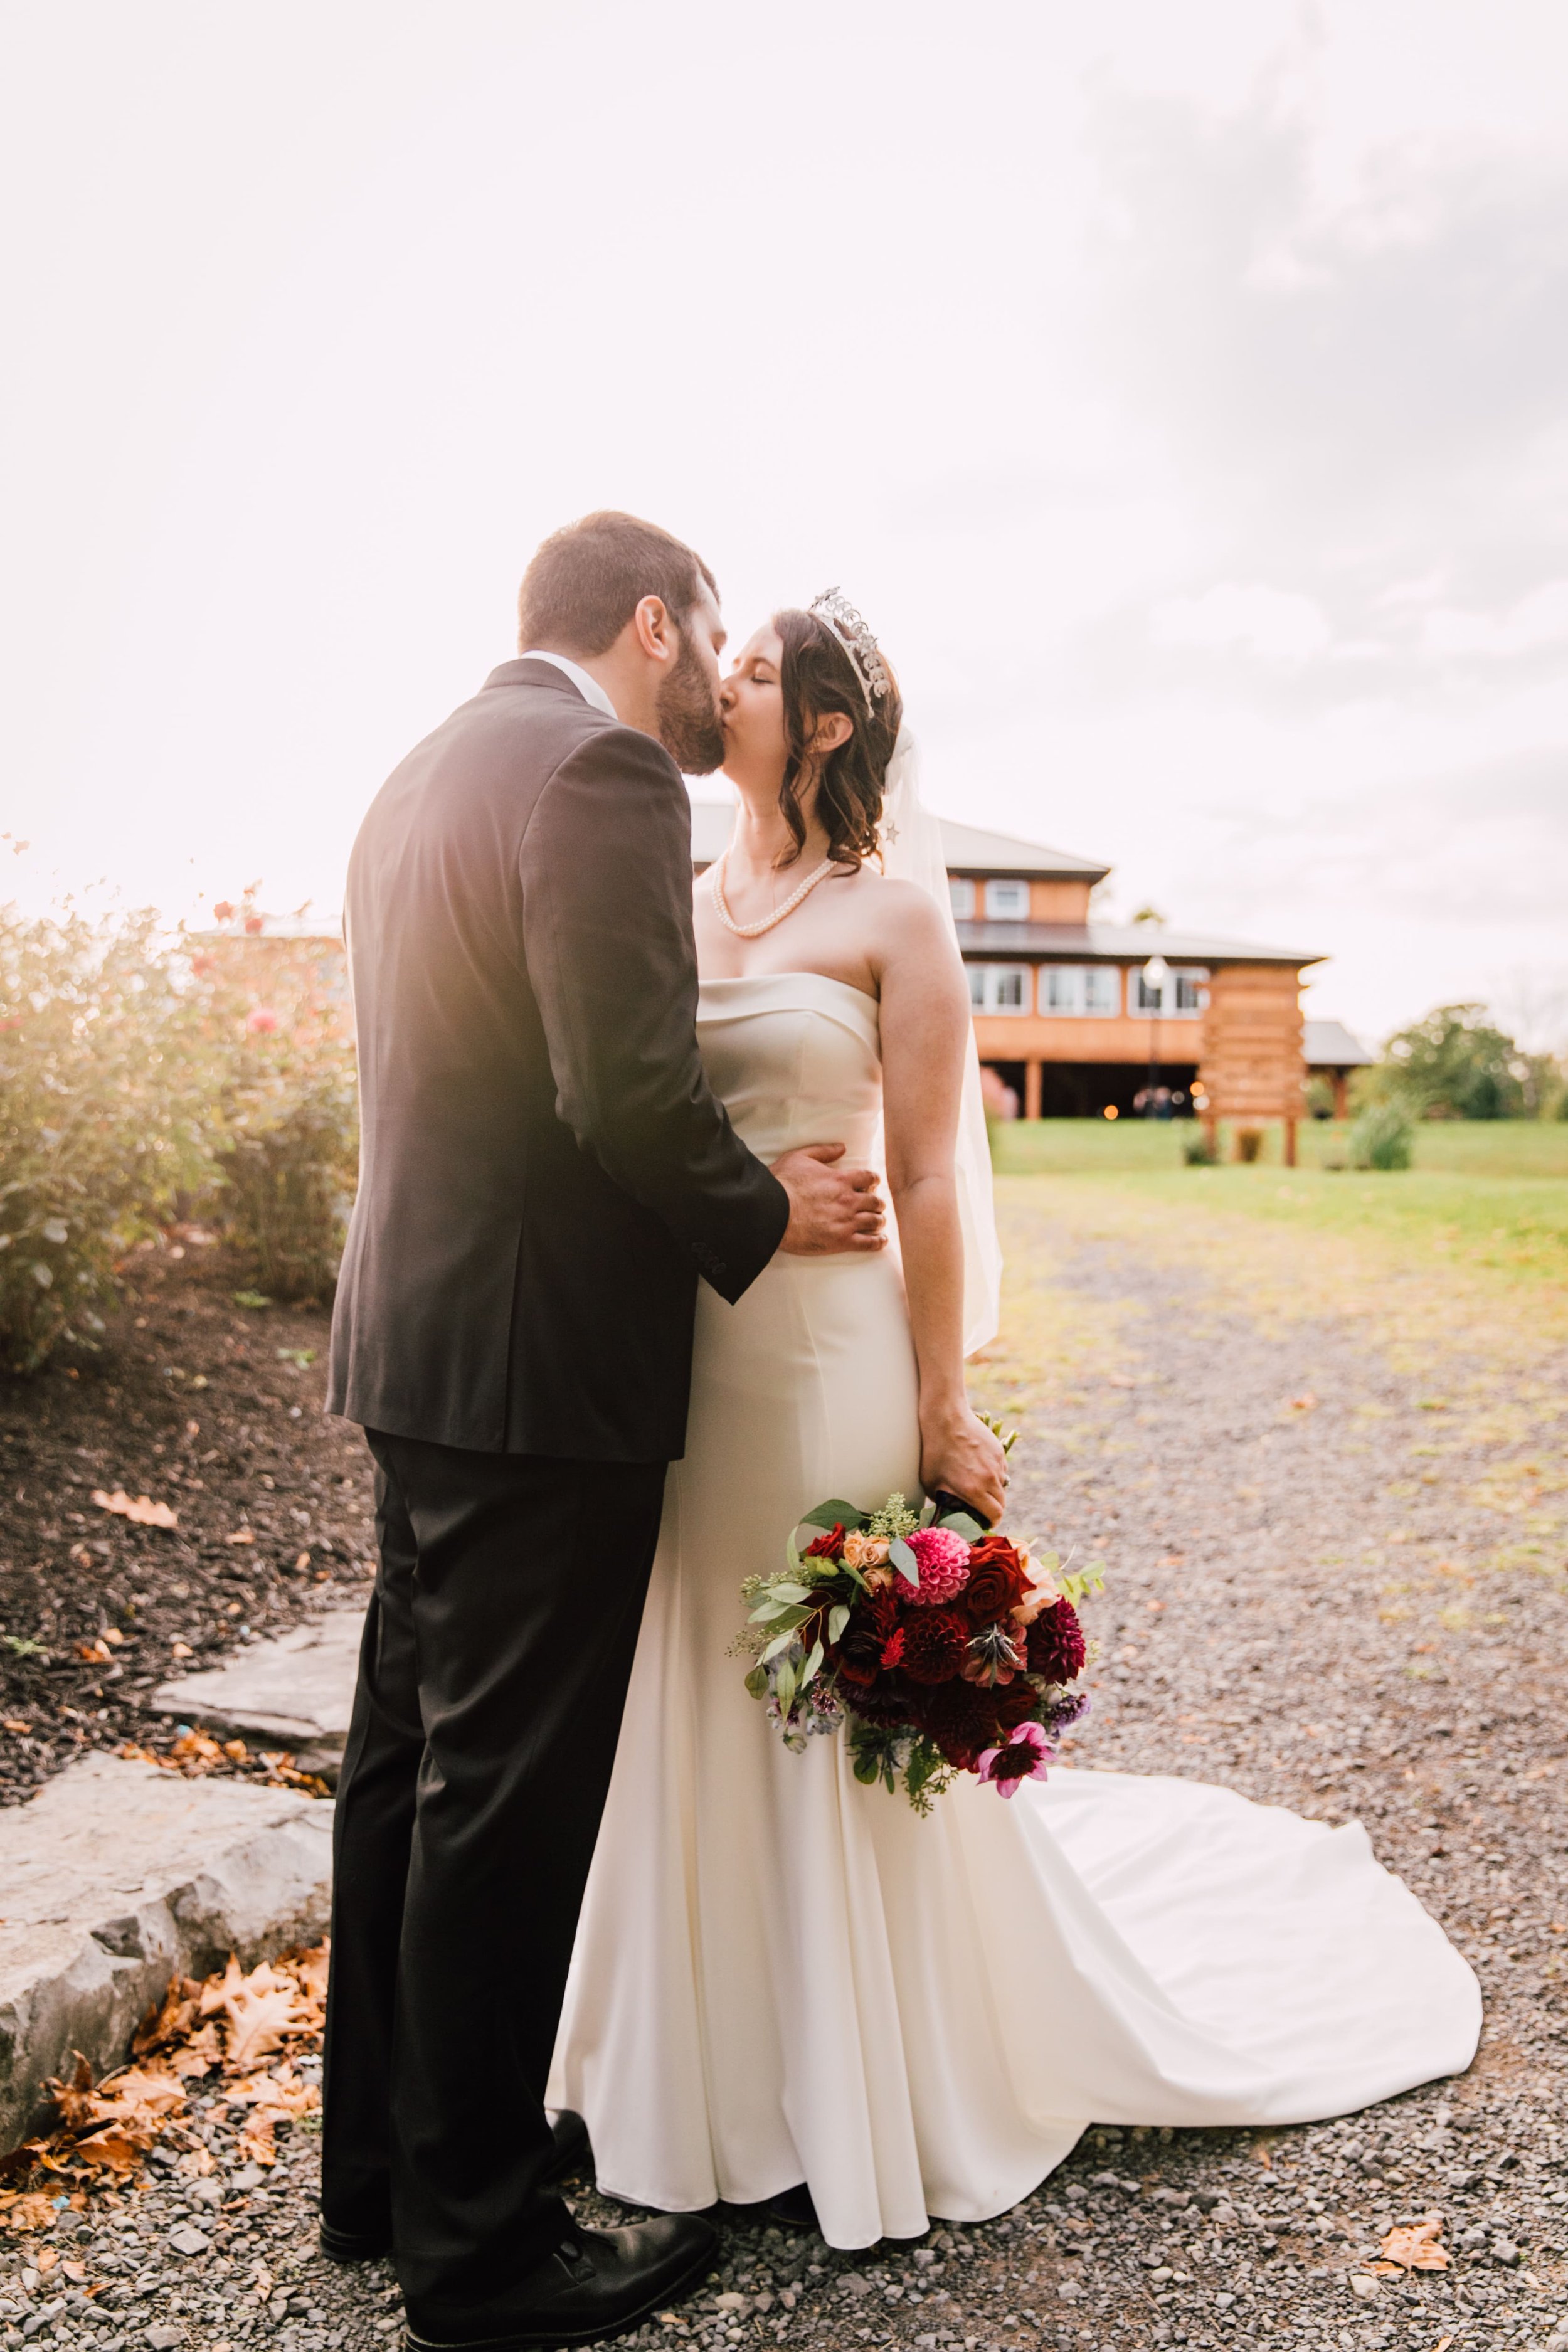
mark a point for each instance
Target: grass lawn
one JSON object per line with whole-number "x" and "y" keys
{"x": 1072, "y": 1147}
{"x": 1490, "y": 1197}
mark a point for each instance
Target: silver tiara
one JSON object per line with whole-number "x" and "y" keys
{"x": 835, "y": 610}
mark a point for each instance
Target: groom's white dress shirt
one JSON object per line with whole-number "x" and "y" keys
{"x": 588, "y": 687}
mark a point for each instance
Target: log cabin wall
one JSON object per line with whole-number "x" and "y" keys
{"x": 1059, "y": 902}
{"x": 1252, "y": 1060}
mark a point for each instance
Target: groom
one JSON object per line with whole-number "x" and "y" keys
{"x": 545, "y": 1176}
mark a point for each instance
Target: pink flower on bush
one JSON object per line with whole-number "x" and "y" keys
{"x": 262, "y": 1022}
{"x": 942, "y": 1559}
{"x": 1027, "y": 1757}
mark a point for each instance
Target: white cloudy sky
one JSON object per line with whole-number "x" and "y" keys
{"x": 1178, "y": 385}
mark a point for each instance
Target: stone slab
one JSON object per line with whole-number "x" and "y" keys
{"x": 117, "y": 1876}
{"x": 296, "y": 1689}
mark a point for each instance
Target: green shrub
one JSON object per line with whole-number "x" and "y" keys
{"x": 1199, "y": 1151}
{"x": 1249, "y": 1144}
{"x": 144, "y": 1076}
{"x": 286, "y": 1162}
{"x": 1453, "y": 1064}
{"x": 1380, "y": 1137}
{"x": 109, "y": 1092}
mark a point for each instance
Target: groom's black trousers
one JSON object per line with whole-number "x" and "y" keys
{"x": 492, "y": 1677}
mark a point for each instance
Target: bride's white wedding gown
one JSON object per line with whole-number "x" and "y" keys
{"x": 781, "y": 1976}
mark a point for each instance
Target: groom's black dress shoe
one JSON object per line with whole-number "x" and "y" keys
{"x": 598, "y": 2283}
{"x": 793, "y": 2206}
{"x": 572, "y": 2154}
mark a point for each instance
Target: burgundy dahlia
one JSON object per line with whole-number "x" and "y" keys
{"x": 1056, "y": 1647}
{"x": 935, "y": 1641}
{"x": 959, "y": 1716}
{"x": 887, "y": 1702}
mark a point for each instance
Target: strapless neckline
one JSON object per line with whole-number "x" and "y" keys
{"x": 765, "y": 978}
{"x": 750, "y": 994}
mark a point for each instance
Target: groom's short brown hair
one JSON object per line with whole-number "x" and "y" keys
{"x": 587, "y": 580}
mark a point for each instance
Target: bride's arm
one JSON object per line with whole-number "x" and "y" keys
{"x": 925, "y": 1042}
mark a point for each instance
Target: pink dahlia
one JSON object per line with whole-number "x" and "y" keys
{"x": 1027, "y": 1757}
{"x": 942, "y": 1559}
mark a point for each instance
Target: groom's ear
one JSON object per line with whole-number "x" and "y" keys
{"x": 654, "y": 629}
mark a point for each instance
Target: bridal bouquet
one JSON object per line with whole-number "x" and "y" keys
{"x": 942, "y": 1647}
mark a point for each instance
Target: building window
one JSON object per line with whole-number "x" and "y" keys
{"x": 962, "y": 898}
{"x": 1186, "y": 993}
{"x": 1007, "y": 902}
{"x": 1000, "y": 987}
{"x": 1081, "y": 988}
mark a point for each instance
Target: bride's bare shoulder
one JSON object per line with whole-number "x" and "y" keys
{"x": 901, "y": 910}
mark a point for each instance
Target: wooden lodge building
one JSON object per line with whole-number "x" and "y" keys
{"x": 1068, "y": 1019}
{"x": 1065, "y": 1013}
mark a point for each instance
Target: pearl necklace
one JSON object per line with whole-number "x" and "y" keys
{"x": 756, "y": 930}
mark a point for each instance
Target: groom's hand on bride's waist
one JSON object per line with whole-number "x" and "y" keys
{"x": 830, "y": 1208}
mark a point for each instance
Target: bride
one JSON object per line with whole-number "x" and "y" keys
{"x": 788, "y": 1989}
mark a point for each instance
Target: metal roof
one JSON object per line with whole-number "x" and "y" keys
{"x": 1330, "y": 1045}
{"x": 966, "y": 850}
{"x": 1119, "y": 943}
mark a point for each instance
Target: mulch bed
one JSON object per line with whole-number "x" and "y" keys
{"x": 215, "y": 1410}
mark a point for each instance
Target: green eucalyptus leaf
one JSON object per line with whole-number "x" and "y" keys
{"x": 786, "y": 1687}
{"x": 963, "y": 1525}
{"x": 904, "y": 1560}
{"x": 757, "y": 1682}
{"x": 837, "y": 1621}
{"x": 829, "y": 1516}
{"x": 776, "y": 1648}
{"x": 867, "y": 1769}
{"x": 812, "y": 1665}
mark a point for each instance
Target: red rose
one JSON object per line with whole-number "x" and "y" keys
{"x": 1056, "y": 1646}
{"x": 863, "y": 1646}
{"x": 999, "y": 1581}
{"x": 935, "y": 1642}
{"x": 829, "y": 1547}
{"x": 1015, "y": 1703}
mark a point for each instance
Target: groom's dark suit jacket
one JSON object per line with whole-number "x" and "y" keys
{"x": 544, "y": 1172}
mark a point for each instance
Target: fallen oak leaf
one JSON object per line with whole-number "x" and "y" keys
{"x": 144, "y": 1512}
{"x": 258, "y": 2008}
{"x": 1414, "y": 2247}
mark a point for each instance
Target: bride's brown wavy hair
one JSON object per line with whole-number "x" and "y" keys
{"x": 818, "y": 678}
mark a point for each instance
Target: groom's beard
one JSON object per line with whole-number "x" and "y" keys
{"x": 687, "y": 715}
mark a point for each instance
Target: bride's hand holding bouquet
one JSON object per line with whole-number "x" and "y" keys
{"x": 942, "y": 1645}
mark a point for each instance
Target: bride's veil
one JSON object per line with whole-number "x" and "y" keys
{"x": 911, "y": 840}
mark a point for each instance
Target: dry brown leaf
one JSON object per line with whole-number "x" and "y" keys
{"x": 241, "y": 1535}
{"x": 1415, "y": 2247}
{"x": 174, "y": 2020}
{"x": 142, "y": 1511}
{"x": 25, "y": 2211}
{"x": 13, "y": 1723}
{"x": 257, "y": 2142}
{"x": 259, "y": 2010}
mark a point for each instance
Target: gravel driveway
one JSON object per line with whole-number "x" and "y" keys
{"x": 1321, "y": 1592}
